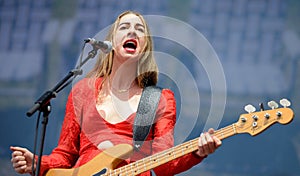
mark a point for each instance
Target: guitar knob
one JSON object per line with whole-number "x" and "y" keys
{"x": 272, "y": 104}
{"x": 255, "y": 117}
{"x": 254, "y": 124}
{"x": 278, "y": 114}
{"x": 267, "y": 115}
{"x": 285, "y": 103}
{"x": 249, "y": 108}
{"x": 243, "y": 119}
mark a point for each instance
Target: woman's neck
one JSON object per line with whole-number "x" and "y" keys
{"x": 123, "y": 75}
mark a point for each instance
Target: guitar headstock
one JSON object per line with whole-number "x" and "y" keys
{"x": 256, "y": 122}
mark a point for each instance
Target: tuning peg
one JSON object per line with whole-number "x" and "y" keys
{"x": 261, "y": 106}
{"x": 285, "y": 103}
{"x": 272, "y": 104}
{"x": 249, "y": 108}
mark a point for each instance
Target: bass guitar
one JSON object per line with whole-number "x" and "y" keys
{"x": 106, "y": 162}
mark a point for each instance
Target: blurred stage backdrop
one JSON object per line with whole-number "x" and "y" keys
{"x": 258, "y": 47}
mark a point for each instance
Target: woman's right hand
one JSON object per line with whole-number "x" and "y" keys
{"x": 21, "y": 159}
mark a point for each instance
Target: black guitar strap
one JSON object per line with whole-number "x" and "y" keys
{"x": 145, "y": 115}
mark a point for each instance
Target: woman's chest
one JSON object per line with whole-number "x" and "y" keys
{"x": 115, "y": 110}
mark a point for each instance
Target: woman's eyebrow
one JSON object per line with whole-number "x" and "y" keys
{"x": 128, "y": 23}
{"x": 124, "y": 23}
{"x": 140, "y": 25}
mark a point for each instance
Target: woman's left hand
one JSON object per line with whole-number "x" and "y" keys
{"x": 207, "y": 143}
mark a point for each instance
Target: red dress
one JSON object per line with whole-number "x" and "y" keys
{"x": 83, "y": 129}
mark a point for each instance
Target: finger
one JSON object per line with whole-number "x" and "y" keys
{"x": 211, "y": 131}
{"x": 218, "y": 142}
{"x": 210, "y": 143}
{"x": 200, "y": 144}
{"x": 19, "y": 164}
{"x": 17, "y": 159}
{"x": 21, "y": 170}
{"x": 205, "y": 145}
{"x": 21, "y": 149}
{"x": 16, "y": 153}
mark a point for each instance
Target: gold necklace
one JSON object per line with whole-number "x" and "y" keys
{"x": 118, "y": 90}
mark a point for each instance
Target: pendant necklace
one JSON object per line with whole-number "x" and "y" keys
{"x": 119, "y": 90}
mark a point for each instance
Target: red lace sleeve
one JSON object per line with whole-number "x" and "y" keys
{"x": 66, "y": 153}
{"x": 164, "y": 137}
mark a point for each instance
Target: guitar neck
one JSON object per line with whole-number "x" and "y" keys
{"x": 160, "y": 158}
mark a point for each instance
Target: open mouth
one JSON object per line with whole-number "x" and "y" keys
{"x": 130, "y": 45}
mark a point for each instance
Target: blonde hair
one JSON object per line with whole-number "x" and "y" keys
{"x": 147, "y": 71}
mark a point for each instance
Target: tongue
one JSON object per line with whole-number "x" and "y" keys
{"x": 131, "y": 50}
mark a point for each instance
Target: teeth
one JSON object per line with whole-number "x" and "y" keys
{"x": 131, "y": 42}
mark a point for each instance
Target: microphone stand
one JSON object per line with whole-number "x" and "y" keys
{"x": 43, "y": 103}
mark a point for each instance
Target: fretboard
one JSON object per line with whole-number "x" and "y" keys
{"x": 163, "y": 157}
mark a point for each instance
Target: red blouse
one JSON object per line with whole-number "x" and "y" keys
{"x": 83, "y": 129}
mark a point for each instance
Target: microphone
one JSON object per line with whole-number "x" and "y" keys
{"x": 105, "y": 46}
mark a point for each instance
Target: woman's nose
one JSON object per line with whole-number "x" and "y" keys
{"x": 131, "y": 33}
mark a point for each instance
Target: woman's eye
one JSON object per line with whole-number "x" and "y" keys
{"x": 122, "y": 27}
{"x": 141, "y": 30}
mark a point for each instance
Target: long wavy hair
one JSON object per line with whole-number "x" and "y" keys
{"x": 147, "y": 71}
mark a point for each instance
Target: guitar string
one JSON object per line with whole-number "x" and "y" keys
{"x": 172, "y": 152}
{"x": 225, "y": 131}
{"x": 138, "y": 166}
{"x": 176, "y": 151}
{"x": 182, "y": 150}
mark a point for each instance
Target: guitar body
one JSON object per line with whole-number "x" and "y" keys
{"x": 105, "y": 161}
